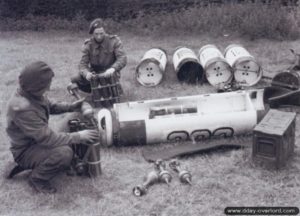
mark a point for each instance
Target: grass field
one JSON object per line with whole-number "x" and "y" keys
{"x": 220, "y": 179}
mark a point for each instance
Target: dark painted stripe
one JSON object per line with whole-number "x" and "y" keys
{"x": 115, "y": 128}
{"x": 132, "y": 133}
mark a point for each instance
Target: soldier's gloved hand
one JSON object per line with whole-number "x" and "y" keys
{"x": 109, "y": 72}
{"x": 88, "y": 136}
{"x": 76, "y": 105}
{"x": 89, "y": 76}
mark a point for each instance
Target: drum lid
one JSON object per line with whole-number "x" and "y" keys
{"x": 218, "y": 74}
{"x": 149, "y": 73}
{"x": 247, "y": 72}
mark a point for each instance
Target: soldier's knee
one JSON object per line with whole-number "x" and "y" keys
{"x": 76, "y": 78}
{"x": 68, "y": 155}
{"x": 63, "y": 156}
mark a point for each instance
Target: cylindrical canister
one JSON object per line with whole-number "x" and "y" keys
{"x": 93, "y": 160}
{"x": 246, "y": 70}
{"x": 114, "y": 87}
{"x": 187, "y": 66}
{"x": 217, "y": 70}
{"x": 180, "y": 119}
{"x": 290, "y": 80}
{"x": 104, "y": 87}
{"x": 96, "y": 94}
{"x": 151, "y": 68}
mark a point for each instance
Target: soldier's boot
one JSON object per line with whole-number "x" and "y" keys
{"x": 82, "y": 83}
{"x": 16, "y": 170}
{"x": 71, "y": 171}
{"x": 41, "y": 186}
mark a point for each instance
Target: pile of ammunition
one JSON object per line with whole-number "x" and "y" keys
{"x": 161, "y": 174}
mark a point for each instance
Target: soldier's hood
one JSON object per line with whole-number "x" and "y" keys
{"x": 35, "y": 76}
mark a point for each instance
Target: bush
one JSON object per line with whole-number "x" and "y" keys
{"x": 64, "y": 9}
{"x": 43, "y": 23}
{"x": 269, "y": 21}
{"x": 253, "y": 20}
{"x": 257, "y": 20}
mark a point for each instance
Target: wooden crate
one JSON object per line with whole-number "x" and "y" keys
{"x": 274, "y": 138}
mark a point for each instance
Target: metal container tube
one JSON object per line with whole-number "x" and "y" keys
{"x": 217, "y": 70}
{"x": 187, "y": 66}
{"x": 93, "y": 160}
{"x": 290, "y": 80}
{"x": 151, "y": 68}
{"x": 210, "y": 115}
{"x": 96, "y": 94}
{"x": 247, "y": 72}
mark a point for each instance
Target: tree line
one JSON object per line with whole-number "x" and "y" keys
{"x": 116, "y": 9}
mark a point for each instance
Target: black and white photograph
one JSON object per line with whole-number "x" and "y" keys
{"x": 149, "y": 108}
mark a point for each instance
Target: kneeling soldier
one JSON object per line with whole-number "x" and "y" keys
{"x": 34, "y": 144}
{"x": 102, "y": 54}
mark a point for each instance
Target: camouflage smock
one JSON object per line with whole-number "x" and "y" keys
{"x": 27, "y": 123}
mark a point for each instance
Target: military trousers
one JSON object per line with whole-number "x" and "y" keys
{"x": 83, "y": 84}
{"x": 46, "y": 162}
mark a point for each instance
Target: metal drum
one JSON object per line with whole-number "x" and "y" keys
{"x": 187, "y": 66}
{"x": 105, "y": 90}
{"x": 246, "y": 70}
{"x": 217, "y": 70}
{"x": 150, "y": 70}
{"x": 290, "y": 80}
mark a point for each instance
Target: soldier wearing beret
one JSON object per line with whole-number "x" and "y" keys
{"x": 34, "y": 145}
{"x": 102, "y": 54}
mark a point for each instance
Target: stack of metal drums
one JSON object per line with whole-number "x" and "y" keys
{"x": 235, "y": 67}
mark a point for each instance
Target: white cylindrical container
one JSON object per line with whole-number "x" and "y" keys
{"x": 151, "y": 68}
{"x": 180, "y": 119}
{"x": 246, "y": 70}
{"x": 187, "y": 66}
{"x": 217, "y": 70}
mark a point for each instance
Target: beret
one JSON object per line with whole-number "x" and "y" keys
{"x": 96, "y": 23}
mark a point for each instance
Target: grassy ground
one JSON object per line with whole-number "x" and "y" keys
{"x": 220, "y": 179}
